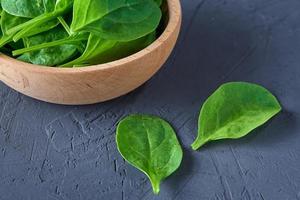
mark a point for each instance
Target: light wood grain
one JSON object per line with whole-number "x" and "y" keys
{"x": 93, "y": 84}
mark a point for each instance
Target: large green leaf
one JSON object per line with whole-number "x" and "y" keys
{"x": 99, "y": 50}
{"x": 50, "y": 56}
{"x": 121, "y": 20}
{"x": 233, "y": 111}
{"x": 149, "y": 144}
{"x": 28, "y": 8}
{"x": 159, "y": 2}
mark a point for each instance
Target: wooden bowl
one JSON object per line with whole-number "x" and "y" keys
{"x": 93, "y": 84}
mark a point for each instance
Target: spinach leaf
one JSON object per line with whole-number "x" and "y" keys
{"x": 36, "y": 30}
{"x": 149, "y": 144}
{"x": 159, "y": 2}
{"x": 8, "y": 21}
{"x": 27, "y": 8}
{"x": 94, "y": 48}
{"x": 73, "y": 39}
{"x": 118, "y": 20}
{"x": 61, "y": 7}
{"x": 99, "y": 50}
{"x": 50, "y": 56}
{"x": 233, "y": 111}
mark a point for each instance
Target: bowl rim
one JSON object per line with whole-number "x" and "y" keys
{"x": 175, "y": 14}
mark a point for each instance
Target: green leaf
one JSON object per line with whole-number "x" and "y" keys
{"x": 49, "y": 56}
{"x": 48, "y": 25}
{"x": 61, "y": 7}
{"x": 118, "y": 20}
{"x": 8, "y": 21}
{"x": 73, "y": 39}
{"x": 28, "y": 8}
{"x": 149, "y": 144}
{"x": 233, "y": 111}
{"x": 159, "y": 2}
{"x": 99, "y": 50}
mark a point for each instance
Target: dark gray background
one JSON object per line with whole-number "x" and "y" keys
{"x": 52, "y": 152}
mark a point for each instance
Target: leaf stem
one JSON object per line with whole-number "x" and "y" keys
{"x": 4, "y": 41}
{"x": 33, "y": 30}
{"x": 38, "y": 20}
{"x": 155, "y": 185}
{"x": 198, "y": 143}
{"x": 64, "y": 24}
{"x": 70, "y": 40}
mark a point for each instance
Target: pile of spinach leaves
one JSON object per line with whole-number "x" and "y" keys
{"x": 68, "y": 33}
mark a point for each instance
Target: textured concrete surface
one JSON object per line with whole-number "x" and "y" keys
{"x": 51, "y": 152}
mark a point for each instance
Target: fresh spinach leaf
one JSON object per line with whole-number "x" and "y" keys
{"x": 159, "y": 2}
{"x": 94, "y": 48}
{"x": 51, "y": 56}
{"x": 73, "y": 40}
{"x": 121, "y": 50}
{"x": 99, "y": 50}
{"x": 233, "y": 111}
{"x": 28, "y": 8}
{"x": 149, "y": 144}
{"x": 8, "y": 21}
{"x": 61, "y": 7}
{"x": 116, "y": 19}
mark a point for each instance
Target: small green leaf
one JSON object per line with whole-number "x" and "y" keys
{"x": 233, "y": 111}
{"x": 149, "y": 144}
